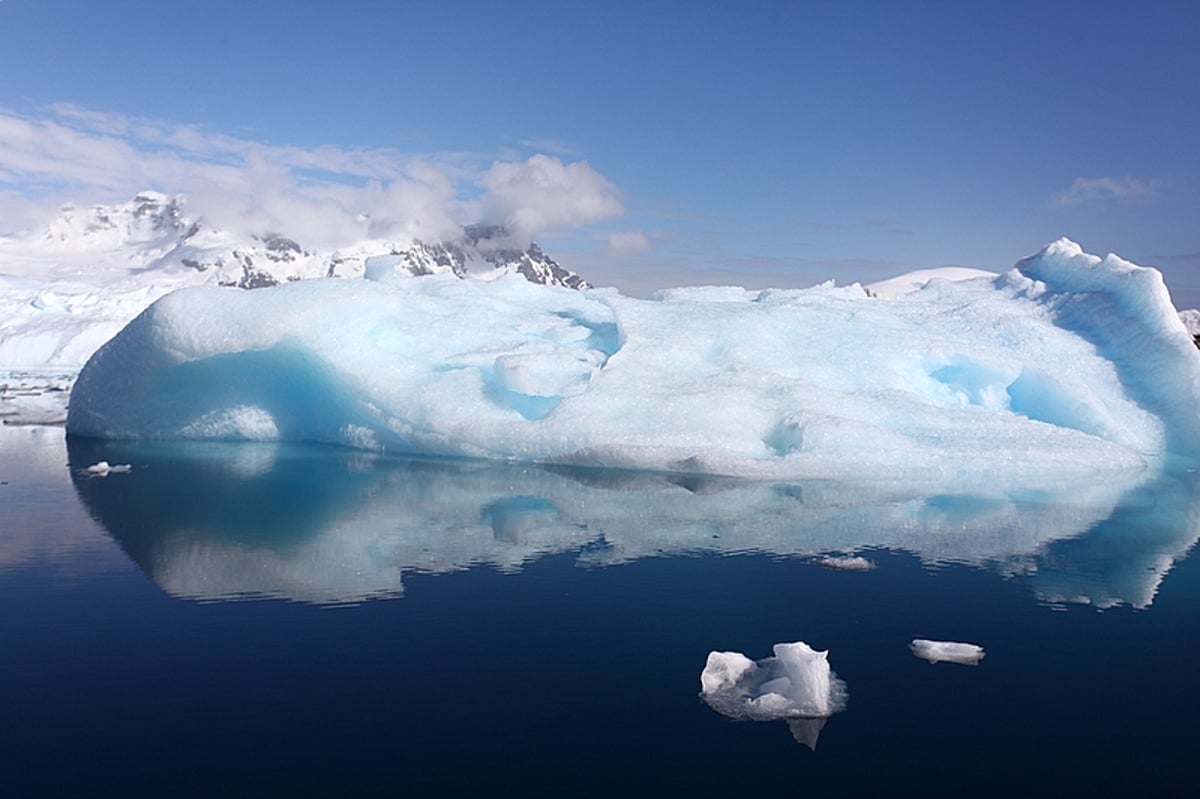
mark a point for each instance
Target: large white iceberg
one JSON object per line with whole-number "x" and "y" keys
{"x": 1068, "y": 365}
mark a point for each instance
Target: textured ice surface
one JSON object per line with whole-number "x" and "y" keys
{"x": 1068, "y": 366}
{"x": 948, "y": 651}
{"x": 795, "y": 683}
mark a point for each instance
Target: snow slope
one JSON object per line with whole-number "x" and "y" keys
{"x": 912, "y": 281}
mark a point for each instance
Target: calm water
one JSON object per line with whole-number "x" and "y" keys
{"x": 250, "y": 620}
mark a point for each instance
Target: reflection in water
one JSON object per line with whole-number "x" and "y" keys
{"x": 36, "y": 525}
{"x": 1123, "y": 558}
{"x": 806, "y": 731}
{"x": 217, "y": 521}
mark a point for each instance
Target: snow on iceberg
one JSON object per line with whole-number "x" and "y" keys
{"x": 1067, "y": 366}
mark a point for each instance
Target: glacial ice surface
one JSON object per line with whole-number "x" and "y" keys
{"x": 1069, "y": 365}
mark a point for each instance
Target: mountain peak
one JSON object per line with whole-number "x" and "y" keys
{"x": 146, "y": 220}
{"x": 153, "y": 236}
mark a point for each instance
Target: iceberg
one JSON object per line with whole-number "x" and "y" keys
{"x": 1069, "y": 366}
{"x": 795, "y": 684}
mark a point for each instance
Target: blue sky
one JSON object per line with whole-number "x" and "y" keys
{"x": 646, "y": 143}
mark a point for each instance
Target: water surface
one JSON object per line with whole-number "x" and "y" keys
{"x": 259, "y": 620}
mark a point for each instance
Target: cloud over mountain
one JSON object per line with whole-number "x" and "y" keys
{"x": 66, "y": 152}
{"x": 543, "y": 193}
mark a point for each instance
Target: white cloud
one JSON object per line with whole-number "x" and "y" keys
{"x": 542, "y": 193}
{"x": 1095, "y": 190}
{"x": 627, "y": 242}
{"x": 333, "y": 194}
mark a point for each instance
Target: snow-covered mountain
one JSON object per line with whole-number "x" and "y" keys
{"x": 484, "y": 251}
{"x": 155, "y": 238}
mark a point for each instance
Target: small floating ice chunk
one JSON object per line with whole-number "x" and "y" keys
{"x": 796, "y": 683}
{"x": 949, "y": 651}
{"x": 850, "y": 563}
{"x": 104, "y": 469}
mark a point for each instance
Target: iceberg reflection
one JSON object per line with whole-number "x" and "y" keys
{"x": 218, "y": 521}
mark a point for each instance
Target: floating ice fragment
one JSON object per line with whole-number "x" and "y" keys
{"x": 796, "y": 683}
{"x": 103, "y": 469}
{"x": 949, "y": 651}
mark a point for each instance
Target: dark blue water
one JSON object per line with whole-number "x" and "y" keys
{"x": 247, "y": 621}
